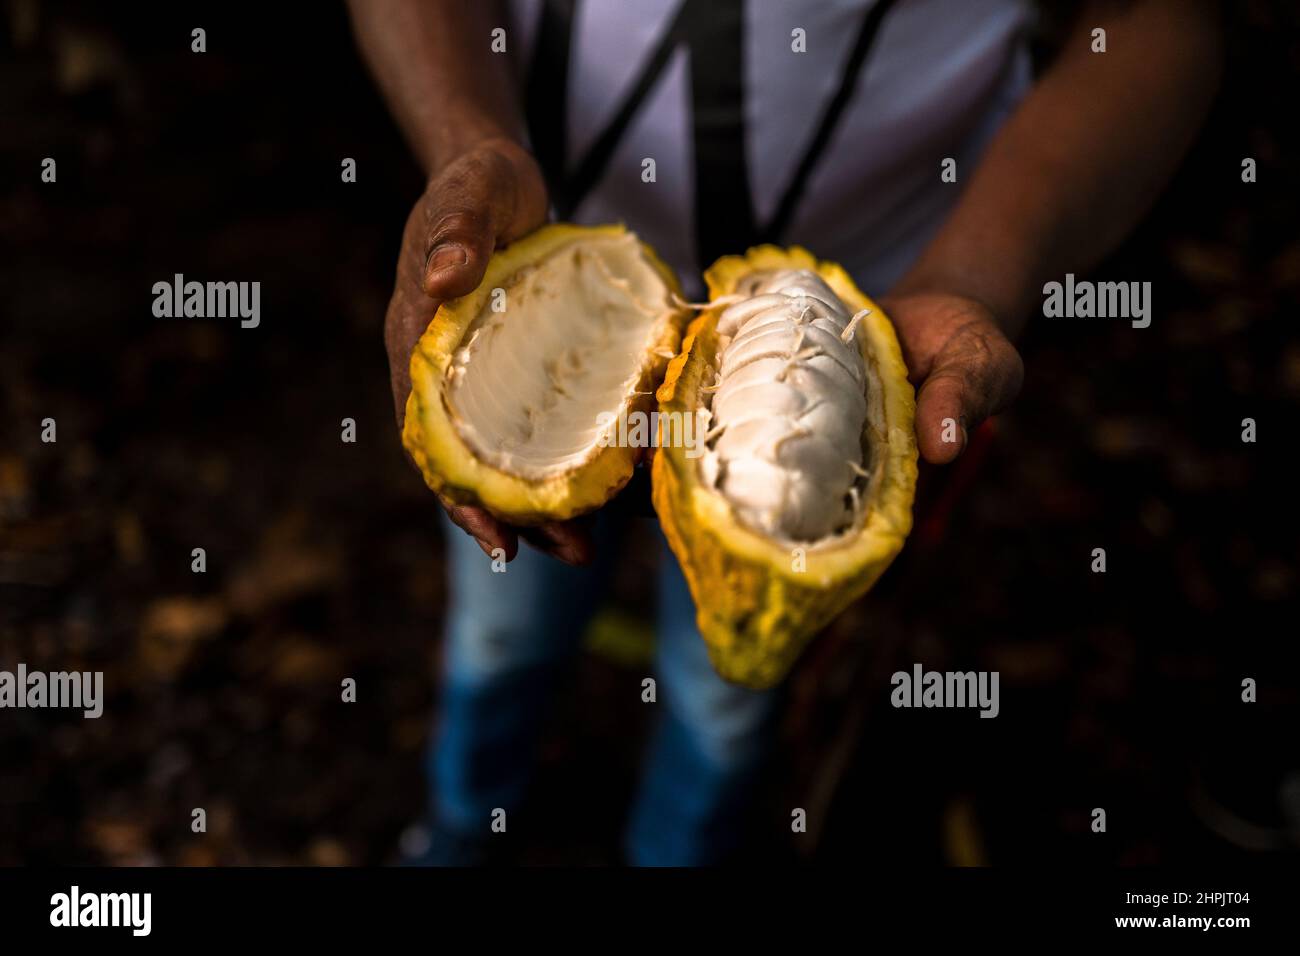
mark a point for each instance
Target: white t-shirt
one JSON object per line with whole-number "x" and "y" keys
{"x": 939, "y": 78}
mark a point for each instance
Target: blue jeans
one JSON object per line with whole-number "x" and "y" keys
{"x": 507, "y": 636}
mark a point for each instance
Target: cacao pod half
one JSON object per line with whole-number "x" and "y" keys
{"x": 784, "y": 519}
{"x": 511, "y": 384}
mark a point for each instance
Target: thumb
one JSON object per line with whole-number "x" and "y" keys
{"x": 476, "y": 203}
{"x": 941, "y": 416}
{"x": 458, "y": 252}
{"x": 976, "y": 375}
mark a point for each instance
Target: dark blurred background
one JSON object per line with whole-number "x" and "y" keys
{"x": 1120, "y": 690}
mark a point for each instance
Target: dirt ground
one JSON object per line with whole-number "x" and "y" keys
{"x": 324, "y": 561}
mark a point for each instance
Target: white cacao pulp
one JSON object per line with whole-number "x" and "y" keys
{"x": 788, "y": 408}
{"x": 531, "y": 386}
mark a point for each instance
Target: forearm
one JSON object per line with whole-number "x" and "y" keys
{"x": 432, "y": 60}
{"x": 1082, "y": 159}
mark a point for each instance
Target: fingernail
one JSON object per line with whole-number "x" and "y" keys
{"x": 447, "y": 255}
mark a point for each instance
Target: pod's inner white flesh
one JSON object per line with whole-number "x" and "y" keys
{"x": 528, "y": 384}
{"x": 788, "y": 408}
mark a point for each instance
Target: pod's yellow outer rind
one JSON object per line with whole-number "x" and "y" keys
{"x": 450, "y": 467}
{"x": 758, "y": 601}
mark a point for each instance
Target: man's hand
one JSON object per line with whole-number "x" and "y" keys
{"x": 490, "y": 194}
{"x": 963, "y": 365}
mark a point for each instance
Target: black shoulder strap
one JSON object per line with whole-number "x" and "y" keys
{"x": 785, "y": 209}
{"x": 547, "y": 91}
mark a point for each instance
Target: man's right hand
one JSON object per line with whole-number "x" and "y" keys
{"x": 489, "y": 195}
